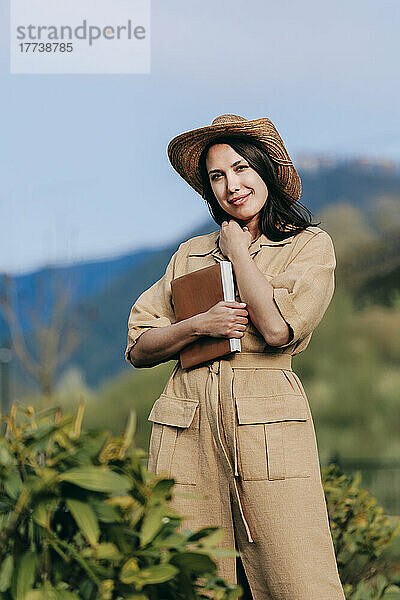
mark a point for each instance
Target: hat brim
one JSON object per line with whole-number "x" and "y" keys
{"x": 185, "y": 149}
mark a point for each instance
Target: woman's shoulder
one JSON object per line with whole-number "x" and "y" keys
{"x": 200, "y": 243}
{"x": 312, "y": 231}
{"x": 314, "y": 240}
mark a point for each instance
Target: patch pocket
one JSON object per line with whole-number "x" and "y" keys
{"x": 173, "y": 448}
{"x": 274, "y": 437}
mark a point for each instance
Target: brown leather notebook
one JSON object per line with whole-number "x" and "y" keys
{"x": 197, "y": 292}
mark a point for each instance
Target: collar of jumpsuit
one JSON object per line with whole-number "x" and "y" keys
{"x": 210, "y": 245}
{"x": 220, "y": 375}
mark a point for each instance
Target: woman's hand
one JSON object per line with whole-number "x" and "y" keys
{"x": 225, "y": 319}
{"x": 233, "y": 239}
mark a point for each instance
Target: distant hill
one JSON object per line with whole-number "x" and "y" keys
{"x": 348, "y": 180}
{"x": 82, "y": 280}
{"x": 103, "y": 291}
{"x": 100, "y": 318}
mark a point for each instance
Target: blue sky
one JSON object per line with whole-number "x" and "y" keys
{"x": 83, "y": 164}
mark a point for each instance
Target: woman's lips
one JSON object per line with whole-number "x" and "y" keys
{"x": 240, "y": 201}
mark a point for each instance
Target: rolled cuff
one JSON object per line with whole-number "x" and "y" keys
{"x": 133, "y": 337}
{"x": 135, "y": 332}
{"x": 289, "y": 313}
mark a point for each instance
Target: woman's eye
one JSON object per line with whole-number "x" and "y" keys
{"x": 214, "y": 177}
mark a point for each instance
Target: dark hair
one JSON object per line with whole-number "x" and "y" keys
{"x": 280, "y": 212}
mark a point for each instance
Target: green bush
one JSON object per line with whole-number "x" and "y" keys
{"x": 362, "y": 534}
{"x": 82, "y": 518}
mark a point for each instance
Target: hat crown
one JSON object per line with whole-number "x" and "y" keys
{"x": 222, "y": 119}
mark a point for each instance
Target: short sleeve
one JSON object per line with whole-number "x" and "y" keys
{"x": 304, "y": 290}
{"x": 153, "y": 308}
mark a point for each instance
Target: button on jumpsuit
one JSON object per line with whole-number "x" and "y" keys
{"x": 237, "y": 433}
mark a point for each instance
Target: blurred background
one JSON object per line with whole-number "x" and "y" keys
{"x": 92, "y": 210}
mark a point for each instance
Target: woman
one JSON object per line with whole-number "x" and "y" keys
{"x": 237, "y": 432}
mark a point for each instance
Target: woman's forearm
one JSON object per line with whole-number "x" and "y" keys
{"x": 160, "y": 344}
{"x": 257, "y": 292}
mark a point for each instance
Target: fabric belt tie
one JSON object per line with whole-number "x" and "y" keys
{"x": 219, "y": 386}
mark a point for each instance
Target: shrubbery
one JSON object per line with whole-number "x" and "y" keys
{"x": 361, "y": 534}
{"x": 81, "y": 518}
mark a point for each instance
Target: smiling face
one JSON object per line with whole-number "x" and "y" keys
{"x": 231, "y": 177}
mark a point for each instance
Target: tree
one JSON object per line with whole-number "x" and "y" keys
{"x": 51, "y": 333}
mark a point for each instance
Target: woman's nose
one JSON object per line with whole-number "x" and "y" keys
{"x": 233, "y": 182}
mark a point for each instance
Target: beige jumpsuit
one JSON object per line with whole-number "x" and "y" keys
{"x": 237, "y": 433}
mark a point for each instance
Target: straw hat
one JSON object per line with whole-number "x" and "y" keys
{"x": 185, "y": 149}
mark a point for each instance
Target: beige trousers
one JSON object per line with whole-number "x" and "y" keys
{"x": 253, "y": 471}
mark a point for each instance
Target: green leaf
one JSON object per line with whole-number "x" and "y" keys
{"x": 214, "y": 538}
{"x": 97, "y": 479}
{"x": 381, "y": 584}
{"x": 105, "y": 512}
{"x": 129, "y": 571}
{"x": 42, "y": 513}
{"x": 93, "y": 443}
{"x": 35, "y": 595}
{"x": 161, "y": 489}
{"x": 26, "y": 574}
{"x": 6, "y": 571}
{"x": 47, "y": 474}
{"x": 6, "y": 457}
{"x": 130, "y": 429}
{"x": 152, "y": 523}
{"x": 131, "y": 574}
{"x": 85, "y": 518}
{"x": 106, "y": 589}
{"x": 4, "y": 520}
{"x": 13, "y": 483}
{"x": 158, "y": 574}
{"x": 86, "y": 588}
{"x": 174, "y": 540}
{"x": 108, "y": 551}
{"x": 105, "y": 551}
{"x": 206, "y": 532}
{"x": 195, "y": 562}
